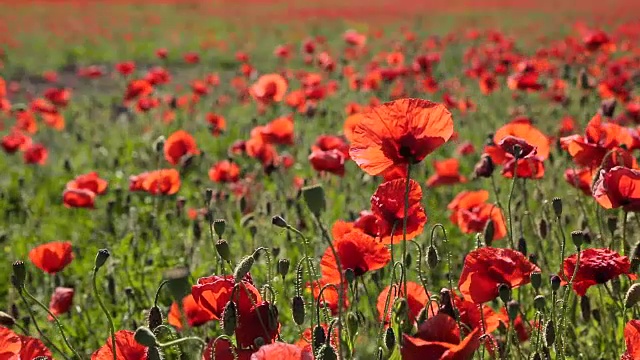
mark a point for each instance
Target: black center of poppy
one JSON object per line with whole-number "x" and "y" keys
{"x": 405, "y": 151}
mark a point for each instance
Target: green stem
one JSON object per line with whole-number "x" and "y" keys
{"x": 35, "y": 323}
{"x": 405, "y": 220}
{"x": 513, "y": 186}
{"x": 624, "y": 234}
{"x": 112, "y": 328}
{"x": 179, "y": 341}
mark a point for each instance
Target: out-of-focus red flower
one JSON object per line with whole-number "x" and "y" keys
{"x": 387, "y": 204}
{"x": 331, "y": 161}
{"x": 127, "y": 348}
{"x": 224, "y": 171}
{"x": 61, "y": 301}
{"x": 126, "y": 68}
{"x": 269, "y": 88}
{"x": 278, "y": 131}
{"x": 90, "y": 181}
{"x": 179, "y": 144}
{"x": 597, "y": 39}
{"x": 217, "y": 123}
{"x": 331, "y": 142}
{"x": 52, "y": 257}
{"x": 136, "y": 89}
{"x": 58, "y": 96}
{"x": 447, "y": 173}
{"x": 399, "y": 132}
{"x": 281, "y": 351}
{"x": 36, "y": 154}
{"x": 78, "y": 198}
{"x": 438, "y": 338}
{"x": 470, "y": 315}
{"x": 330, "y": 296}
{"x": 356, "y": 251}
{"x": 470, "y": 212}
{"x": 580, "y": 179}
{"x": 485, "y": 269}
{"x": 353, "y": 38}
{"x": 162, "y": 53}
{"x": 195, "y": 314}
{"x": 465, "y": 148}
{"x": 15, "y": 141}
{"x": 191, "y": 58}
{"x": 160, "y": 182}
{"x": 597, "y": 266}
{"x": 632, "y": 340}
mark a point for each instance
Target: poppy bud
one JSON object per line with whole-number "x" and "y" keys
{"x": 283, "y": 267}
{"x": 326, "y": 352}
{"x": 489, "y": 231}
{"x": 208, "y": 195}
{"x": 432, "y": 257}
{"x": 273, "y": 317}
{"x": 389, "y": 339}
{"x": 155, "y": 318}
{"x": 632, "y": 297}
{"x": 585, "y": 308}
{"x": 612, "y": 224}
{"x": 446, "y": 305}
{"x": 19, "y": 274}
{"x": 577, "y": 237}
{"x": 608, "y": 107}
{"x": 484, "y": 168}
{"x": 145, "y": 337}
{"x": 422, "y": 316}
{"x": 101, "y": 258}
{"x": 229, "y": 318}
{"x": 350, "y": 276}
{"x": 222, "y": 248}
{"x": 319, "y": 336}
{"x": 219, "y": 226}
{"x": 536, "y": 279}
{"x": 539, "y": 303}
{"x": 557, "y": 206}
{"x": 353, "y": 323}
{"x": 279, "y": 221}
{"x": 6, "y": 320}
{"x": 243, "y": 268}
{"x": 401, "y": 308}
{"x": 549, "y": 333}
{"x": 505, "y": 292}
{"x": 542, "y": 227}
{"x": 297, "y": 307}
{"x": 555, "y": 282}
{"x": 522, "y": 246}
{"x": 314, "y": 198}
{"x": 158, "y": 145}
{"x": 197, "y": 230}
{"x": 513, "y": 309}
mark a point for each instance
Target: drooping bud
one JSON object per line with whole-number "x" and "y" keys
{"x": 557, "y": 206}
{"x": 297, "y": 307}
{"x": 326, "y": 352}
{"x": 633, "y": 296}
{"x": 219, "y": 226}
{"x": 314, "y": 198}
{"x": 222, "y": 248}
{"x": 154, "y": 318}
{"x": 422, "y": 316}
{"x": 197, "y": 230}
{"x": 432, "y": 257}
{"x": 208, "y": 195}
{"x": 401, "y": 308}
{"x": 504, "y": 291}
{"x": 243, "y": 268}
{"x": 446, "y": 303}
{"x": 101, "y": 258}
{"x": 279, "y": 221}
{"x": 577, "y": 237}
{"x": 19, "y": 274}
{"x": 283, "y": 267}
{"x": 513, "y": 309}
{"x": 489, "y": 232}
{"x": 635, "y": 257}
{"x": 389, "y": 339}
{"x": 229, "y": 318}
{"x": 536, "y": 280}
{"x": 319, "y": 336}
{"x": 555, "y": 282}
{"x": 145, "y": 337}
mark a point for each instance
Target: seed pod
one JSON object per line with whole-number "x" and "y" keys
{"x": 505, "y": 292}
{"x": 297, "y": 307}
{"x": 557, "y": 206}
{"x": 513, "y": 309}
{"x": 145, "y": 337}
{"x": 536, "y": 280}
{"x": 229, "y": 318}
{"x": 222, "y": 248}
{"x": 154, "y": 318}
{"x": 243, "y": 268}
{"x": 283, "y": 267}
{"x": 539, "y": 303}
{"x": 549, "y": 333}
{"x": 585, "y": 308}
{"x": 432, "y": 257}
{"x": 19, "y": 274}
{"x": 314, "y": 198}
{"x": 389, "y": 339}
{"x": 279, "y": 221}
{"x": 555, "y": 282}
{"x": 633, "y": 296}
{"x": 6, "y": 320}
{"x": 101, "y": 258}
{"x": 446, "y": 303}
{"x": 219, "y": 226}
{"x": 577, "y": 237}
{"x": 319, "y": 336}
{"x": 326, "y": 352}
{"x": 489, "y": 232}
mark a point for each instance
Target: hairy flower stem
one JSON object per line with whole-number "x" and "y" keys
{"x": 405, "y": 220}
{"x": 112, "y": 328}
{"x": 565, "y": 298}
{"x": 35, "y": 323}
{"x": 513, "y": 186}
{"x": 623, "y": 246}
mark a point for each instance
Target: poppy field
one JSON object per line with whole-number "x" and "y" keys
{"x": 319, "y": 180}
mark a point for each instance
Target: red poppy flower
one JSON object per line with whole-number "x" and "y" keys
{"x": 179, "y": 144}
{"x": 618, "y": 187}
{"x": 438, "y": 338}
{"x": 597, "y": 39}
{"x": 416, "y": 297}
{"x": 137, "y": 89}
{"x": 354, "y": 38}
{"x": 486, "y": 268}
{"x": 331, "y": 161}
{"x": 632, "y": 340}
{"x": 580, "y": 179}
{"x": 217, "y": 123}
{"x": 525, "y": 81}
{"x": 10, "y": 344}
{"x": 191, "y": 58}
{"x": 597, "y": 266}
{"x": 15, "y": 141}
{"x": 162, "y": 53}
{"x": 400, "y": 132}
{"x": 214, "y": 292}
{"x": 518, "y": 324}
{"x": 261, "y": 150}
{"x": 90, "y": 181}
{"x": 221, "y": 349}
{"x": 78, "y": 198}
{"x": 196, "y": 315}
{"x": 25, "y": 121}
{"x": 52, "y": 257}
{"x": 158, "y": 182}
{"x": 488, "y": 83}
{"x": 465, "y": 148}
{"x": 387, "y": 204}
{"x": 33, "y": 348}
{"x": 61, "y": 300}
{"x": 269, "y": 88}
{"x": 356, "y": 251}
{"x": 126, "y": 68}
{"x": 126, "y": 348}
{"x": 281, "y": 351}
{"x": 470, "y": 315}
{"x": 36, "y": 154}
{"x": 158, "y": 75}
{"x": 331, "y": 142}
{"x": 258, "y": 322}
{"x": 447, "y": 173}
{"x": 519, "y": 128}
{"x": 224, "y": 171}
{"x": 278, "y": 131}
